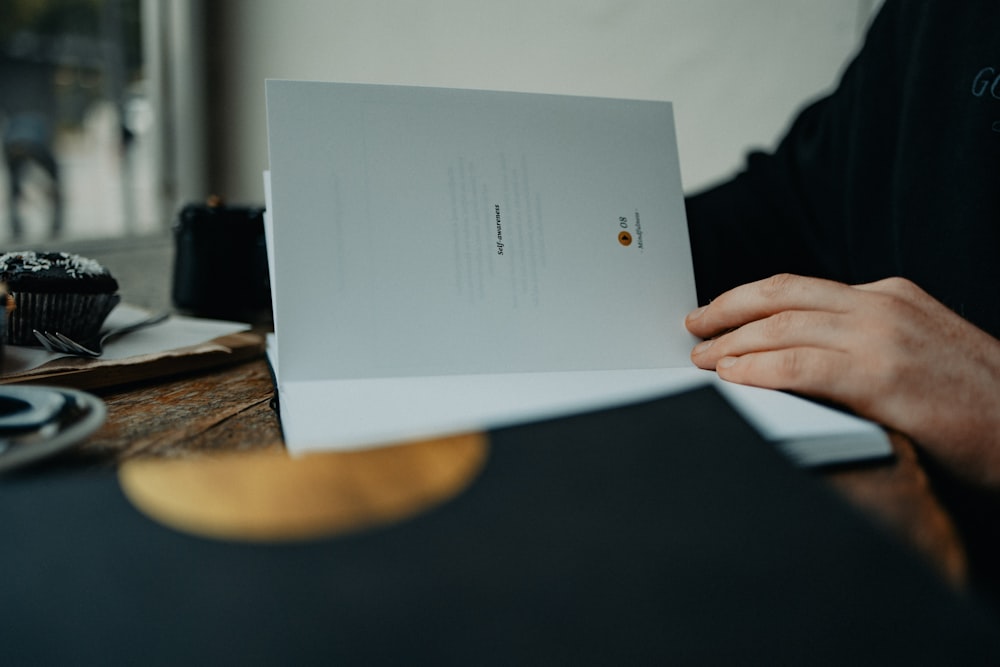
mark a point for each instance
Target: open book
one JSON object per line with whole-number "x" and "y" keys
{"x": 450, "y": 260}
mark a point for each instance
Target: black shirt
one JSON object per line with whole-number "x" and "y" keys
{"x": 896, "y": 173}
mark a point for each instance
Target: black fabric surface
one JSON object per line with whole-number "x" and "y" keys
{"x": 665, "y": 532}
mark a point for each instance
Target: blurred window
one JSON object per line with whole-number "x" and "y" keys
{"x": 76, "y": 122}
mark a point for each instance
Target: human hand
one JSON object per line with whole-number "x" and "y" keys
{"x": 886, "y": 350}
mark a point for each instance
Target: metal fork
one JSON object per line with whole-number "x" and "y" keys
{"x": 57, "y": 342}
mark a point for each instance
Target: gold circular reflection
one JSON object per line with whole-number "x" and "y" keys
{"x": 270, "y": 496}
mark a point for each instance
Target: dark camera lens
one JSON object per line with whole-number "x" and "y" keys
{"x": 220, "y": 265}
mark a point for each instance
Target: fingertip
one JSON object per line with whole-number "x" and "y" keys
{"x": 695, "y": 324}
{"x": 703, "y": 364}
{"x": 734, "y": 369}
{"x": 696, "y": 313}
{"x": 727, "y": 362}
{"x": 729, "y": 368}
{"x": 702, "y": 347}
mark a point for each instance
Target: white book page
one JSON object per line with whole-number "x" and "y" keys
{"x": 361, "y": 413}
{"x": 421, "y": 231}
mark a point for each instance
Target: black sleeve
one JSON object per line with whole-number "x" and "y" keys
{"x": 791, "y": 210}
{"x": 742, "y": 230}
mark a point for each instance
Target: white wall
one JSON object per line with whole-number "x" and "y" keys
{"x": 736, "y": 70}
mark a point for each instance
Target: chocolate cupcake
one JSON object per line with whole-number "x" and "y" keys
{"x": 56, "y": 291}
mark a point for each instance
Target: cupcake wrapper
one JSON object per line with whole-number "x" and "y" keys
{"x": 77, "y": 316}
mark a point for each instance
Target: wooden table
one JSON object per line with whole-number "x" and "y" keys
{"x": 203, "y": 453}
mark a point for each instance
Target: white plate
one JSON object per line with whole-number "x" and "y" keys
{"x": 38, "y": 422}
